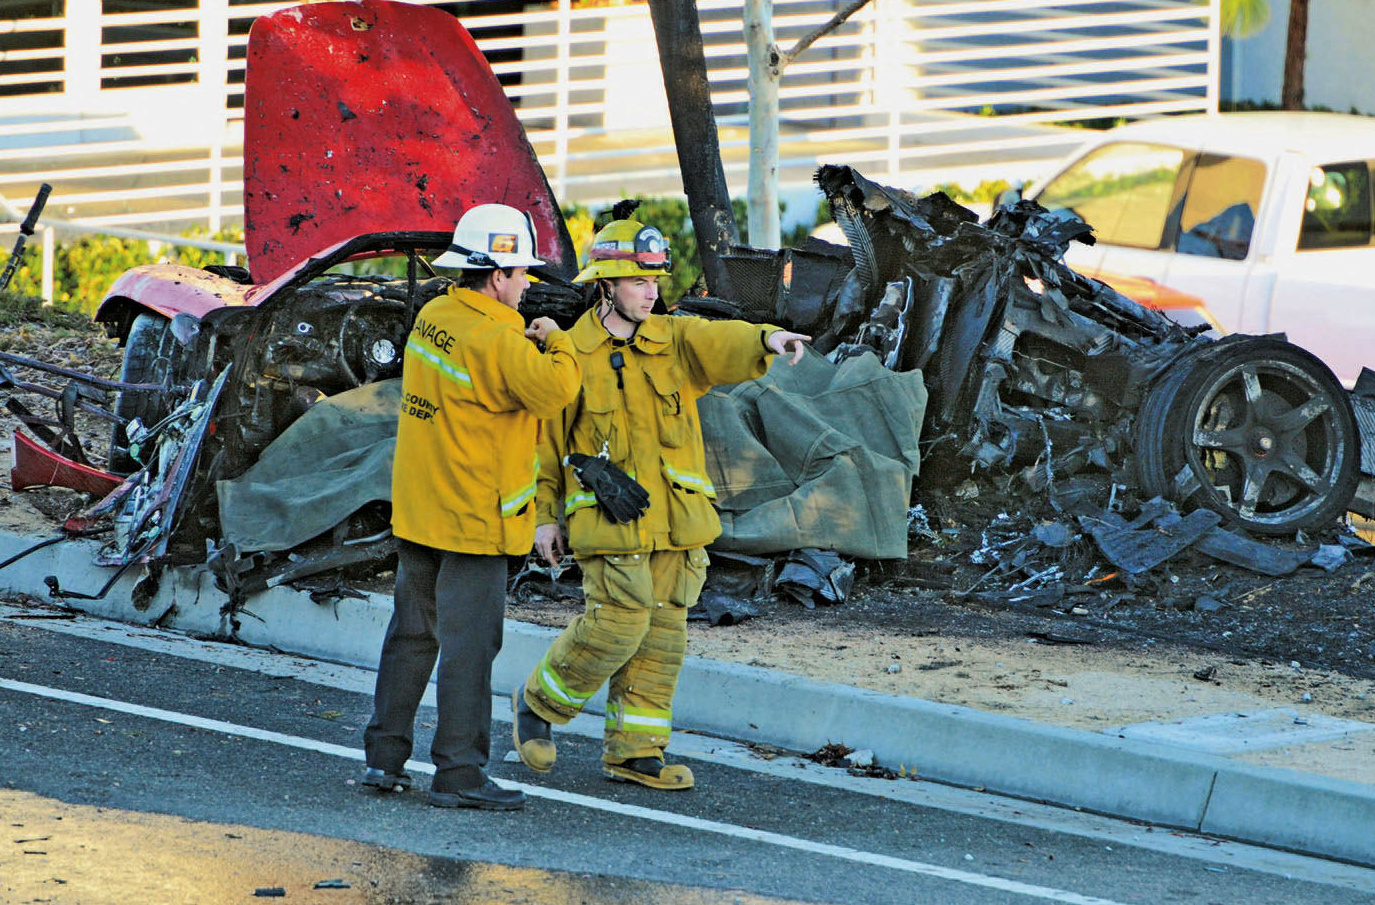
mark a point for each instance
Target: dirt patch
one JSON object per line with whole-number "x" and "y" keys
{"x": 1192, "y": 637}
{"x": 1000, "y": 662}
{"x": 923, "y": 646}
{"x": 66, "y": 340}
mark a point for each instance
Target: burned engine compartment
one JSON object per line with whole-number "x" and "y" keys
{"x": 1036, "y": 370}
{"x": 236, "y": 379}
{"x": 331, "y": 335}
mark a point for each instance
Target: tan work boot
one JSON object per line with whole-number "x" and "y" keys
{"x": 531, "y": 735}
{"x": 651, "y": 772}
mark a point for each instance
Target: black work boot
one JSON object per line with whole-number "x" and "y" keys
{"x": 531, "y": 735}
{"x": 385, "y": 781}
{"x": 469, "y": 787}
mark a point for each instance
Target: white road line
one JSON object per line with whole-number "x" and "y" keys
{"x": 1178, "y": 844}
{"x": 666, "y": 817}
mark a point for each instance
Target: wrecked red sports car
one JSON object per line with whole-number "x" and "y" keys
{"x": 371, "y": 126}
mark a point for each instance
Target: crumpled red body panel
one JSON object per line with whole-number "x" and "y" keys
{"x": 36, "y": 466}
{"x": 375, "y": 116}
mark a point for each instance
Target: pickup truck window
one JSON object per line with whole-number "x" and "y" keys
{"x": 1123, "y": 190}
{"x": 1337, "y": 211}
{"x": 1219, "y": 212}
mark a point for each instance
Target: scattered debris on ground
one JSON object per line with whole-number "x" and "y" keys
{"x": 979, "y": 543}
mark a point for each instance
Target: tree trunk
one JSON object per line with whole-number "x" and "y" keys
{"x": 1295, "y": 52}
{"x": 765, "y": 68}
{"x": 678, "y": 32}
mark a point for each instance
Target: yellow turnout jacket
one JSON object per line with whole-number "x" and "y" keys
{"x": 644, "y": 416}
{"x": 473, "y": 389}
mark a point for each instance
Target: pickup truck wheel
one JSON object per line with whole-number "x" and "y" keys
{"x": 1265, "y": 430}
{"x": 147, "y": 358}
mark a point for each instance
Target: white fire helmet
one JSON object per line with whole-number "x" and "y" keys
{"x": 490, "y": 236}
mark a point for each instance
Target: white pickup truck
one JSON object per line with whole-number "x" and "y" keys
{"x": 1251, "y": 222}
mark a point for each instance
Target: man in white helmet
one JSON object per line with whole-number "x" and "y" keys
{"x": 475, "y": 382}
{"x": 624, "y": 466}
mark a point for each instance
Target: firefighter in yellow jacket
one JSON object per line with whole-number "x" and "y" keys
{"x": 474, "y": 385}
{"x": 637, "y": 412}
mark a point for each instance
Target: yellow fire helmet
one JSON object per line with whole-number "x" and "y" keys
{"x": 626, "y": 248}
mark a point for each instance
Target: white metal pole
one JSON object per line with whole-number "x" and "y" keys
{"x": 214, "y": 78}
{"x": 762, "y": 193}
{"x": 81, "y": 66}
{"x": 1214, "y": 53}
{"x": 562, "y": 76}
{"x": 889, "y": 78}
{"x": 49, "y": 252}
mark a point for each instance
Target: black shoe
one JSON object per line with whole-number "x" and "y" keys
{"x": 530, "y": 734}
{"x": 382, "y": 781}
{"x": 487, "y": 797}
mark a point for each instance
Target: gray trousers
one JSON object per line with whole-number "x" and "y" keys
{"x": 448, "y": 605}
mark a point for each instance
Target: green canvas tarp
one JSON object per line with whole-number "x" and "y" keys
{"x": 812, "y": 455}
{"x": 332, "y": 461}
{"x": 816, "y": 455}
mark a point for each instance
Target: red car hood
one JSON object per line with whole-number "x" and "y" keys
{"x": 376, "y": 116}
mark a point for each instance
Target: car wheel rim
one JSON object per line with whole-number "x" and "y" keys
{"x": 1266, "y": 441}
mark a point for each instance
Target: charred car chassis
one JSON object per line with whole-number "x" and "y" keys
{"x": 1035, "y": 369}
{"x": 1031, "y": 369}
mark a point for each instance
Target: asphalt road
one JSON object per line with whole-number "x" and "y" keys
{"x": 107, "y": 727}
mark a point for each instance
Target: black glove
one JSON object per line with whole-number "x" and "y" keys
{"x": 618, "y": 494}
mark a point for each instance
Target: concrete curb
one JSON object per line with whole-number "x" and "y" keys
{"x": 951, "y": 744}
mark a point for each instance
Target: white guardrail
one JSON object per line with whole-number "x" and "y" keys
{"x": 135, "y": 118}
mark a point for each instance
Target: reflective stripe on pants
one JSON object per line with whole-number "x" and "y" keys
{"x": 632, "y": 635}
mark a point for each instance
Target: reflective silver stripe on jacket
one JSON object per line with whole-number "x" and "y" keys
{"x": 691, "y": 480}
{"x": 442, "y": 365}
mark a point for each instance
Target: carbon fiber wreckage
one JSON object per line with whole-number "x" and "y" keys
{"x": 1075, "y": 390}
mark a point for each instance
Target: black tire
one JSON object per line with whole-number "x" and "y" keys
{"x": 1149, "y": 428}
{"x": 148, "y": 355}
{"x": 1155, "y": 474}
{"x": 1265, "y": 430}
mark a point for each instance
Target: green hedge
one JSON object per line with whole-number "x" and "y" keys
{"x": 84, "y": 270}
{"x": 985, "y": 192}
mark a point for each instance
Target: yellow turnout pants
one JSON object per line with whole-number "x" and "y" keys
{"x": 632, "y": 635}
